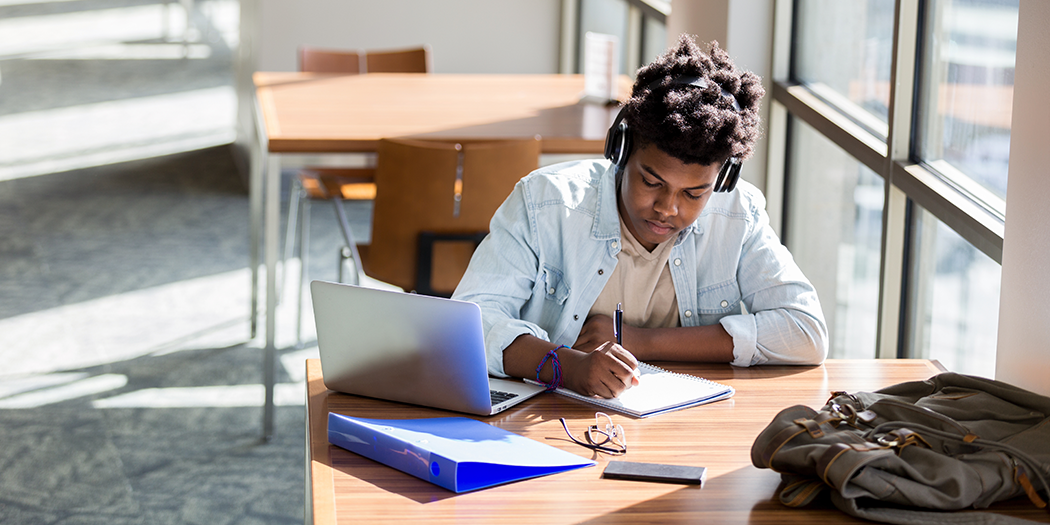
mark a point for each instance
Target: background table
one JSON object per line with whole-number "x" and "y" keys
{"x": 310, "y": 113}
{"x": 344, "y": 487}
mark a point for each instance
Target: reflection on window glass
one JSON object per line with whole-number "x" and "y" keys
{"x": 843, "y": 52}
{"x": 834, "y": 231}
{"x": 953, "y": 302}
{"x": 967, "y": 88}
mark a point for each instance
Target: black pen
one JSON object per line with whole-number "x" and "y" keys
{"x": 618, "y": 323}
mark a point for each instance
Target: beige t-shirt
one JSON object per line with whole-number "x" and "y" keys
{"x": 642, "y": 283}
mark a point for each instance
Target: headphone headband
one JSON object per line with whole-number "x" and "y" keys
{"x": 618, "y": 141}
{"x": 699, "y": 82}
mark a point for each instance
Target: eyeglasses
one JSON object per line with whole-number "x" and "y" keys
{"x": 602, "y": 436}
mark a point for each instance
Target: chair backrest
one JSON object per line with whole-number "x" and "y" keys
{"x": 316, "y": 60}
{"x": 415, "y": 60}
{"x": 417, "y": 183}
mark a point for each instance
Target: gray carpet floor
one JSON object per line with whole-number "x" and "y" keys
{"x": 82, "y": 237}
{"x": 130, "y": 389}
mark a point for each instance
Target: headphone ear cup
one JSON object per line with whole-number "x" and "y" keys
{"x": 618, "y": 142}
{"x": 625, "y": 145}
{"x": 728, "y": 176}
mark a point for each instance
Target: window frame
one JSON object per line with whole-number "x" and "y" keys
{"x": 976, "y": 216}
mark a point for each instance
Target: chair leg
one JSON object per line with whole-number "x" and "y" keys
{"x": 289, "y": 233}
{"x": 344, "y": 254}
{"x": 348, "y": 237}
{"x": 304, "y": 262}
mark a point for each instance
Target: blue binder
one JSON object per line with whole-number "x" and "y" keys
{"x": 457, "y": 453}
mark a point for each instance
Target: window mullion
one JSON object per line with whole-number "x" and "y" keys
{"x": 898, "y": 143}
{"x": 777, "y": 129}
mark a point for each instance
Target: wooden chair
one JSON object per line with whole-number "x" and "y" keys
{"x": 433, "y": 205}
{"x": 347, "y": 62}
{"x": 317, "y": 60}
{"x": 414, "y": 60}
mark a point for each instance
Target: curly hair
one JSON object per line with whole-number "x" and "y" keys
{"x": 696, "y": 126}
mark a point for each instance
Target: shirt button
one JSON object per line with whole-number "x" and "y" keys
{"x": 677, "y": 262}
{"x": 601, "y": 271}
{"x": 553, "y": 290}
{"x": 725, "y": 304}
{"x": 615, "y": 244}
{"x": 575, "y": 318}
{"x": 688, "y": 313}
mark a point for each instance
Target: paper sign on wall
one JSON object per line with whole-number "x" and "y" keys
{"x": 601, "y": 66}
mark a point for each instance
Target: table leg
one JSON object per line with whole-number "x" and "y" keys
{"x": 256, "y": 182}
{"x": 271, "y": 225}
{"x": 255, "y": 209}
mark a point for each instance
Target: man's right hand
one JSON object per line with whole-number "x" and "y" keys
{"x": 606, "y": 372}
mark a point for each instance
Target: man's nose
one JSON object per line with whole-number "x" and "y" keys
{"x": 665, "y": 205}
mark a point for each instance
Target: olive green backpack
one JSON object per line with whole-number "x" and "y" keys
{"x": 951, "y": 442}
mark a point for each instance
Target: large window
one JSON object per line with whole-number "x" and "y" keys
{"x": 897, "y": 118}
{"x": 954, "y": 299}
{"x": 843, "y": 54}
{"x": 967, "y": 93}
{"x": 835, "y": 226}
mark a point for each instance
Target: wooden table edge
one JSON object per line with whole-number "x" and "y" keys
{"x": 322, "y": 489}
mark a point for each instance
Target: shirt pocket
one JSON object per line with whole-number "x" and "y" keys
{"x": 554, "y": 286}
{"x": 717, "y": 301}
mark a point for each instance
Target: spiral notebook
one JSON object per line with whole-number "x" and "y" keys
{"x": 659, "y": 391}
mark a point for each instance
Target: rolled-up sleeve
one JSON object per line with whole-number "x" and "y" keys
{"x": 783, "y": 322}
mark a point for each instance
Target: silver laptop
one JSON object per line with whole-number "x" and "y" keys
{"x": 410, "y": 348}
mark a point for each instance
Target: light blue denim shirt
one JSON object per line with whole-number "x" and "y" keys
{"x": 552, "y": 247}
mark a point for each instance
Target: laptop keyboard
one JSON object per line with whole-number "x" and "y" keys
{"x": 499, "y": 397}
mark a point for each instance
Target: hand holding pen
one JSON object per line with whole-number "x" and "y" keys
{"x": 602, "y": 358}
{"x": 618, "y": 332}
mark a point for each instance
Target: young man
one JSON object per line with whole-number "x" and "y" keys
{"x": 658, "y": 228}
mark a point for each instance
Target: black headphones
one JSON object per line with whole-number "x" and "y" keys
{"x": 618, "y": 141}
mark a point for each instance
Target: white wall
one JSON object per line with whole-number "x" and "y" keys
{"x": 1023, "y": 350}
{"x": 467, "y": 36}
{"x": 744, "y": 28}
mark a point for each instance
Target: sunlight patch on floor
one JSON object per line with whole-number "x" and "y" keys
{"x": 207, "y": 312}
{"x": 285, "y": 394}
{"x": 54, "y": 140}
{"x": 72, "y": 390}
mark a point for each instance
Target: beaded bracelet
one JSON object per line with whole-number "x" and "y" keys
{"x": 553, "y": 357}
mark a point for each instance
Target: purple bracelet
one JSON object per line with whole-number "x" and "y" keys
{"x": 553, "y": 357}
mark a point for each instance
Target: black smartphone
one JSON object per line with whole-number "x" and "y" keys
{"x": 684, "y": 474}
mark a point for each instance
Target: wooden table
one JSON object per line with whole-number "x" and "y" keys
{"x": 344, "y": 487}
{"x": 309, "y": 113}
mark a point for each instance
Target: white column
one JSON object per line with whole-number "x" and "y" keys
{"x": 1023, "y": 350}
